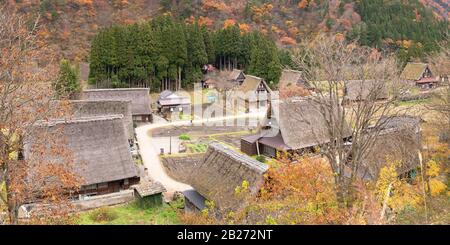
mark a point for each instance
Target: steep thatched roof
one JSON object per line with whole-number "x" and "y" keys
{"x": 221, "y": 171}
{"x": 292, "y": 84}
{"x": 88, "y": 108}
{"x": 139, "y": 97}
{"x": 401, "y": 122}
{"x": 98, "y": 145}
{"x": 413, "y": 71}
{"x": 236, "y": 75}
{"x": 301, "y": 123}
{"x": 250, "y": 85}
{"x": 358, "y": 90}
{"x": 224, "y": 80}
{"x": 399, "y": 141}
{"x": 292, "y": 78}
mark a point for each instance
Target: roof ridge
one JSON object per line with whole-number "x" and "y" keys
{"x": 250, "y": 162}
{"x": 114, "y": 89}
{"x": 54, "y": 122}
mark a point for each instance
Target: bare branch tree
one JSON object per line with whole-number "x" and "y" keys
{"x": 353, "y": 126}
{"x": 440, "y": 65}
{"x": 25, "y": 95}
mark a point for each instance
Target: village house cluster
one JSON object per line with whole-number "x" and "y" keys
{"x": 101, "y": 134}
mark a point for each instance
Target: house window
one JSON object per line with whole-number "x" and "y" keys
{"x": 103, "y": 186}
{"x": 269, "y": 151}
{"x": 126, "y": 182}
{"x": 90, "y": 187}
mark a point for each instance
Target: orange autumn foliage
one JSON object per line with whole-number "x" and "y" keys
{"x": 244, "y": 28}
{"x": 228, "y": 23}
{"x": 302, "y": 4}
{"x": 215, "y": 5}
{"x": 85, "y": 2}
{"x": 288, "y": 41}
{"x": 205, "y": 21}
{"x": 340, "y": 37}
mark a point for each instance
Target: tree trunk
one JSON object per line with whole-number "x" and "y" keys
{"x": 13, "y": 209}
{"x": 179, "y": 78}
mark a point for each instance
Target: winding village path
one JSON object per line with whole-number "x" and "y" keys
{"x": 151, "y": 159}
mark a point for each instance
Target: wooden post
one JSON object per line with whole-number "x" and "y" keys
{"x": 257, "y": 147}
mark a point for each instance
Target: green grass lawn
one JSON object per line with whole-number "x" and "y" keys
{"x": 413, "y": 102}
{"x": 131, "y": 214}
{"x": 197, "y": 148}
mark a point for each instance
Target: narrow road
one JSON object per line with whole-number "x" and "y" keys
{"x": 151, "y": 159}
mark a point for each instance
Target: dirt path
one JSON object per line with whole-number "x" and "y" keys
{"x": 151, "y": 159}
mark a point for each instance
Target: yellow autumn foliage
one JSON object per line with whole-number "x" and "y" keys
{"x": 433, "y": 168}
{"x": 437, "y": 187}
{"x": 401, "y": 194}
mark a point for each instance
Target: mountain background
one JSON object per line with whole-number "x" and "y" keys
{"x": 68, "y": 26}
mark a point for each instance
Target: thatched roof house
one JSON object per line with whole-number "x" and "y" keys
{"x": 398, "y": 141}
{"x": 98, "y": 147}
{"x": 295, "y": 125}
{"x": 221, "y": 171}
{"x": 419, "y": 74}
{"x": 254, "y": 84}
{"x": 223, "y": 80}
{"x": 88, "y": 108}
{"x": 292, "y": 84}
{"x": 236, "y": 76}
{"x": 255, "y": 92}
{"x": 139, "y": 97}
{"x": 365, "y": 90}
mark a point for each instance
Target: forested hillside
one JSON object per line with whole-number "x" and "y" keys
{"x": 403, "y": 26}
{"x": 406, "y": 27}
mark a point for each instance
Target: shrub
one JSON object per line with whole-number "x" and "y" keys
{"x": 103, "y": 214}
{"x": 261, "y": 158}
{"x": 184, "y": 137}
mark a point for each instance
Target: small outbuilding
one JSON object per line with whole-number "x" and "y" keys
{"x": 170, "y": 102}
{"x": 148, "y": 193}
{"x": 139, "y": 97}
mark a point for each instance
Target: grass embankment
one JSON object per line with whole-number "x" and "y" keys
{"x": 132, "y": 214}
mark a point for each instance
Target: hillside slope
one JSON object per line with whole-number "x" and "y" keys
{"x": 68, "y": 26}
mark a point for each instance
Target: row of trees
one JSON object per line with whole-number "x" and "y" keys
{"x": 169, "y": 54}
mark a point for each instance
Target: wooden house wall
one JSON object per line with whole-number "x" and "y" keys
{"x": 110, "y": 187}
{"x": 248, "y": 148}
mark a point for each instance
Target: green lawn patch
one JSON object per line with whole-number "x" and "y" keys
{"x": 413, "y": 102}
{"x": 131, "y": 214}
{"x": 197, "y": 148}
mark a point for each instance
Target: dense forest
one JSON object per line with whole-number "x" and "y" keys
{"x": 167, "y": 53}
{"x": 406, "y": 27}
